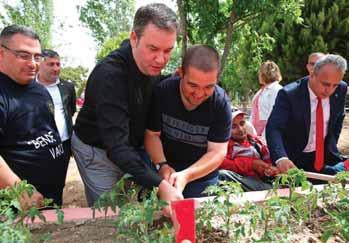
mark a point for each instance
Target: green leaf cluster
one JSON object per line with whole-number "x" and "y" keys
{"x": 37, "y": 14}
{"x": 325, "y": 29}
{"x": 13, "y": 217}
{"x": 107, "y": 18}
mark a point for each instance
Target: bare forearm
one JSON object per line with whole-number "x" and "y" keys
{"x": 153, "y": 146}
{"x": 7, "y": 176}
{"x": 205, "y": 165}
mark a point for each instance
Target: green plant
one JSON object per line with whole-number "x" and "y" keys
{"x": 335, "y": 198}
{"x": 223, "y": 206}
{"x": 13, "y": 217}
{"x": 138, "y": 221}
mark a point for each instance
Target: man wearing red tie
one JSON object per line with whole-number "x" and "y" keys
{"x": 307, "y": 119}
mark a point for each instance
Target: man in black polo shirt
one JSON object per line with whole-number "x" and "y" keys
{"x": 29, "y": 140}
{"x": 109, "y": 130}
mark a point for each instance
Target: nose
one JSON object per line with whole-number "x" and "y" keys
{"x": 160, "y": 58}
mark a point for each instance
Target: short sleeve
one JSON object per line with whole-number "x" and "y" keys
{"x": 220, "y": 129}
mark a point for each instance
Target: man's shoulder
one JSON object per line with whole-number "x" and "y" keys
{"x": 168, "y": 83}
{"x": 296, "y": 85}
{"x": 67, "y": 83}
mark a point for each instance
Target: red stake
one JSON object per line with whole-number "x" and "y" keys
{"x": 183, "y": 217}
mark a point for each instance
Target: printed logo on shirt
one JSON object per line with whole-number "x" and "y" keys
{"x": 184, "y": 132}
{"x": 43, "y": 141}
{"x": 51, "y": 107}
{"x": 57, "y": 151}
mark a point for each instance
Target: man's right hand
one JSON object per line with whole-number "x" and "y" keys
{"x": 27, "y": 202}
{"x": 166, "y": 171}
{"x": 168, "y": 193}
{"x": 284, "y": 165}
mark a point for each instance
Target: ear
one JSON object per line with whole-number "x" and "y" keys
{"x": 133, "y": 39}
{"x": 180, "y": 72}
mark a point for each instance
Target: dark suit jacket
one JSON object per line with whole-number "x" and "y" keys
{"x": 288, "y": 126}
{"x": 68, "y": 96}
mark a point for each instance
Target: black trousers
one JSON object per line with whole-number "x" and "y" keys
{"x": 248, "y": 183}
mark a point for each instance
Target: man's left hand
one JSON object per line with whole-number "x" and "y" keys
{"x": 179, "y": 180}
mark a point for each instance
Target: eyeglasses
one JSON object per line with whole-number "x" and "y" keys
{"x": 25, "y": 55}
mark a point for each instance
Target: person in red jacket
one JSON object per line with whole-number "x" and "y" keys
{"x": 247, "y": 161}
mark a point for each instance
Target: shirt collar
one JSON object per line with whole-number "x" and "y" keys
{"x": 47, "y": 85}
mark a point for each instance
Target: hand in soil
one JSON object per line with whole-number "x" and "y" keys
{"x": 27, "y": 202}
{"x": 168, "y": 193}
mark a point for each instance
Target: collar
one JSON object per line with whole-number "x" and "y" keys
{"x": 271, "y": 85}
{"x": 47, "y": 85}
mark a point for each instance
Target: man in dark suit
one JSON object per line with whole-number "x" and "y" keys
{"x": 307, "y": 118}
{"x": 63, "y": 96}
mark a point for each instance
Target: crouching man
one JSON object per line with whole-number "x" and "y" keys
{"x": 189, "y": 124}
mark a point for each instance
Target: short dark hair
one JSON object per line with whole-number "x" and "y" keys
{"x": 156, "y": 13}
{"x": 9, "y": 31}
{"x": 202, "y": 57}
{"x": 49, "y": 53}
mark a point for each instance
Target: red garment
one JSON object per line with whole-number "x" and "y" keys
{"x": 320, "y": 146}
{"x": 240, "y": 156}
{"x": 346, "y": 165}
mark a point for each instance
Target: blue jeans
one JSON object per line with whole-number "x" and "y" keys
{"x": 195, "y": 188}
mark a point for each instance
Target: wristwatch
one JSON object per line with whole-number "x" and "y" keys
{"x": 162, "y": 163}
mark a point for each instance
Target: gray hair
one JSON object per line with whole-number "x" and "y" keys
{"x": 338, "y": 61}
{"x": 11, "y": 30}
{"x": 316, "y": 54}
{"x": 156, "y": 13}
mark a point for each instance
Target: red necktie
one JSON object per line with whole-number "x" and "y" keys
{"x": 319, "y": 154}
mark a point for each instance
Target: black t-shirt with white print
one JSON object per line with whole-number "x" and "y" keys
{"x": 29, "y": 140}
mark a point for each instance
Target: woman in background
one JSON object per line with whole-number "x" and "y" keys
{"x": 263, "y": 101}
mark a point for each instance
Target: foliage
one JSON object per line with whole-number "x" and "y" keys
{"x": 136, "y": 221}
{"x": 335, "y": 198}
{"x": 325, "y": 29}
{"x": 111, "y": 44}
{"x": 174, "y": 62}
{"x": 224, "y": 207}
{"x": 78, "y": 75}
{"x": 235, "y": 28}
{"x": 107, "y": 18}
{"x": 37, "y": 14}
{"x": 13, "y": 217}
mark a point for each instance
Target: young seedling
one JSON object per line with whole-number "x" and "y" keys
{"x": 13, "y": 216}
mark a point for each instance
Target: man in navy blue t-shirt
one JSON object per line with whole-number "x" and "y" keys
{"x": 189, "y": 123}
{"x": 29, "y": 140}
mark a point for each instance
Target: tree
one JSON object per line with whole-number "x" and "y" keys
{"x": 78, "y": 75}
{"x": 234, "y": 28}
{"x": 107, "y": 18}
{"x": 37, "y": 14}
{"x": 111, "y": 44}
{"x": 325, "y": 28}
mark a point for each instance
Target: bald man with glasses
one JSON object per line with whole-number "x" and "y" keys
{"x": 30, "y": 144}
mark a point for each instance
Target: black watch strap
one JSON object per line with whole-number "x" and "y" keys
{"x": 162, "y": 163}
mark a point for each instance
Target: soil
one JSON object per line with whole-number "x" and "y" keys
{"x": 102, "y": 230}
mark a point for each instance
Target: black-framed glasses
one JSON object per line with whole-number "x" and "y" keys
{"x": 25, "y": 55}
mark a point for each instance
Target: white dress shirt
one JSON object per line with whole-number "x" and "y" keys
{"x": 311, "y": 145}
{"x": 58, "y": 107}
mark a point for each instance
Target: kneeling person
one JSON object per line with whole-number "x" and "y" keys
{"x": 248, "y": 160}
{"x": 189, "y": 123}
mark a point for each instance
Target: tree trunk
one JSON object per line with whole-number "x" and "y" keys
{"x": 228, "y": 40}
{"x": 183, "y": 24}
